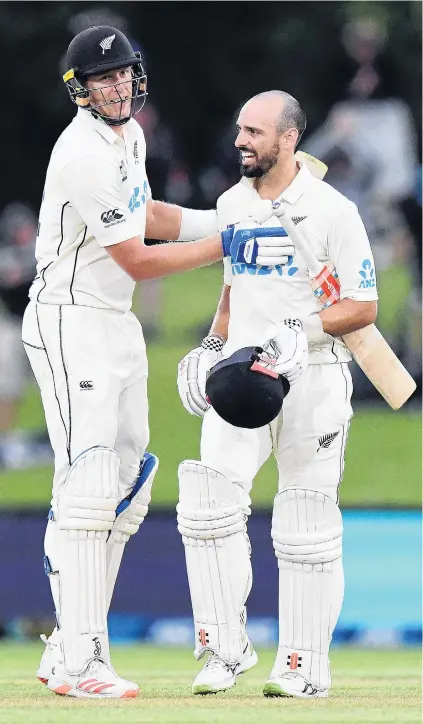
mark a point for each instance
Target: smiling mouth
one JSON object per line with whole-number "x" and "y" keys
{"x": 247, "y": 157}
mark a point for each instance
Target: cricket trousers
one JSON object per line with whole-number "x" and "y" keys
{"x": 308, "y": 437}
{"x": 91, "y": 367}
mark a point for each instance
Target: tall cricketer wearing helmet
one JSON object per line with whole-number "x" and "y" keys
{"x": 87, "y": 349}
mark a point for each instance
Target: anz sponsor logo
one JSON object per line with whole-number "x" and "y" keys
{"x": 288, "y": 269}
{"x": 138, "y": 198}
{"x": 368, "y": 275}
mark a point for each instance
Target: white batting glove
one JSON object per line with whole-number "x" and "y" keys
{"x": 192, "y": 371}
{"x": 287, "y": 352}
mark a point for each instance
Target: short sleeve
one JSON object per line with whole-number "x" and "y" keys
{"x": 93, "y": 188}
{"x": 349, "y": 250}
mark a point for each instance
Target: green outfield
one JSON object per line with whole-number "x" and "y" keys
{"x": 383, "y": 462}
{"x": 369, "y": 686}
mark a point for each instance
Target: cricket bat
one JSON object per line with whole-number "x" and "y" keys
{"x": 367, "y": 346}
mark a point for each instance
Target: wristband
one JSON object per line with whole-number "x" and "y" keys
{"x": 313, "y": 328}
{"x": 197, "y": 224}
{"x": 213, "y": 341}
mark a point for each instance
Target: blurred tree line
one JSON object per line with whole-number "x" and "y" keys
{"x": 203, "y": 59}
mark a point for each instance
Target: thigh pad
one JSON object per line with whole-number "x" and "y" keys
{"x": 306, "y": 526}
{"x": 88, "y": 498}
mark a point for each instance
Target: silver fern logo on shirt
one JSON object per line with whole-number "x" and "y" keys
{"x": 106, "y": 44}
{"x": 326, "y": 440}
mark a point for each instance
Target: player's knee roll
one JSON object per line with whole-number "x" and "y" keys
{"x": 131, "y": 511}
{"x": 306, "y": 527}
{"x": 89, "y": 496}
{"x": 210, "y": 506}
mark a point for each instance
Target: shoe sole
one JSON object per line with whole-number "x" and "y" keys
{"x": 66, "y": 690}
{"x": 63, "y": 689}
{"x": 274, "y": 690}
{"x": 204, "y": 689}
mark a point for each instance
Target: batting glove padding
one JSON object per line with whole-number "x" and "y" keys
{"x": 287, "y": 352}
{"x": 265, "y": 245}
{"x": 192, "y": 371}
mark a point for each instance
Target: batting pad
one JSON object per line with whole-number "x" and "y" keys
{"x": 212, "y": 521}
{"x": 307, "y": 537}
{"x": 130, "y": 513}
{"x": 75, "y": 548}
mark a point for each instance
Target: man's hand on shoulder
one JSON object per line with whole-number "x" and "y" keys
{"x": 251, "y": 244}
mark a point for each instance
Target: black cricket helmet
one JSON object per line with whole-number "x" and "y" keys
{"x": 244, "y": 391}
{"x": 97, "y": 50}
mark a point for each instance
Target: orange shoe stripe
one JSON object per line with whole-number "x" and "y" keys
{"x": 101, "y": 688}
{"x": 88, "y": 687}
{"x": 87, "y": 681}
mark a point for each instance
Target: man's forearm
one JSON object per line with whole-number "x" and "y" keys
{"x": 347, "y": 316}
{"x": 165, "y": 259}
{"x": 220, "y": 322}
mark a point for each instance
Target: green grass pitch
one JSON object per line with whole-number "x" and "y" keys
{"x": 369, "y": 686}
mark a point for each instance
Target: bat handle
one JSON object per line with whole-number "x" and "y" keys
{"x": 326, "y": 286}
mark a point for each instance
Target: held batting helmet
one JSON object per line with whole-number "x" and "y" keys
{"x": 245, "y": 392}
{"x": 98, "y": 50}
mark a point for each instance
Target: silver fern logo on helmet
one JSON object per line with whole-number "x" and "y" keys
{"x": 106, "y": 44}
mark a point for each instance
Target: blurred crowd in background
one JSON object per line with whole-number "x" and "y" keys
{"x": 360, "y": 87}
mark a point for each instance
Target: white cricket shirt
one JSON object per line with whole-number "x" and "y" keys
{"x": 261, "y": 297}
{"x": 95, "y": 195}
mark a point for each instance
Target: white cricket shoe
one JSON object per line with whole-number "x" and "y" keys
{"x": 288, "y": 684}
{"x": 216, "y": 675}
{"x": 97, "y": 681}
{"x": 51, "y": 657}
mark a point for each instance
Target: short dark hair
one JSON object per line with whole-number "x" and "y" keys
{"x": 291, "y": 116}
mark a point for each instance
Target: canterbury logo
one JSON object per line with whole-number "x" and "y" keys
{"x": 298, "y": 219}
{"x": 106, "y": 44}
{"x": 112, "y": 215}
{"x": 326, "y": 440}
{"x": 86, "y": 385}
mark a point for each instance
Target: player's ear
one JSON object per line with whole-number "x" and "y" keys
{"x": 290, "y": 138}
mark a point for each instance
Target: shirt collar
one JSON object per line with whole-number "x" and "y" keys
{"x": 295, "y": 189}
{"x": 84, "y": 116}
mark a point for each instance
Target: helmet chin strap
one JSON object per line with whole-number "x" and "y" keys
{"x": 107, "y": 119}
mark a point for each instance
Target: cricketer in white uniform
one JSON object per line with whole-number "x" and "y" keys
{"x": 87, "y": 350}
{"x": 308, "y": 437}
